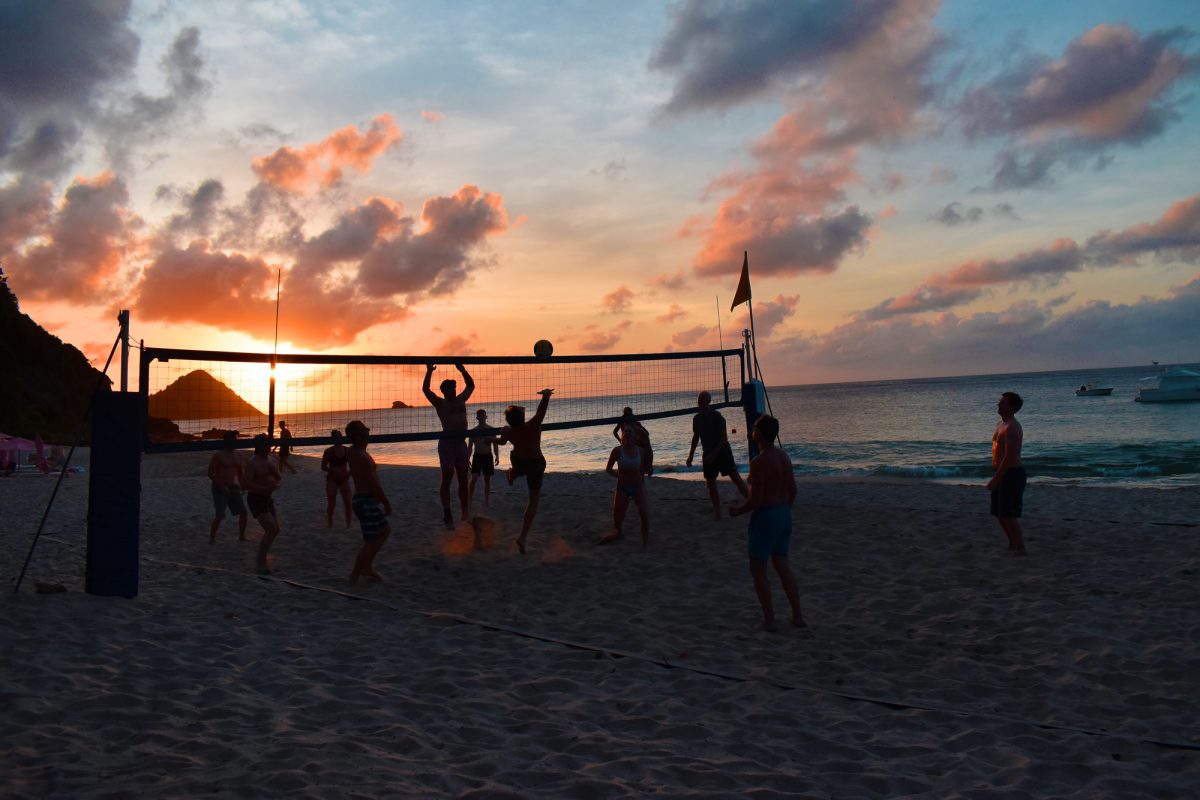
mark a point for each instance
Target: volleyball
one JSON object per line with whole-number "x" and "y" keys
{"x": 543, "y": 349}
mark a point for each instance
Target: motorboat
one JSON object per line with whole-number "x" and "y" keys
{"x": 1092, "y": 390}
{"x": 1172, "y": 386}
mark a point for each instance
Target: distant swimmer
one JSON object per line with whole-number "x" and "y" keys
{"x": 526, "y": 457}
{"x": 641, "y": 438}
{"x": 1007, "y": 486}
{"x": 371, "y": 504}
{"x": 708, "y": 429}
{"x": 772, "y": 494}
{"x": 225, "y": 472}
{"x": 626, "y": 463}
{"x": 262, "y": 478}
{"x": 335, "y": 465}
{"x": 485, "y": 455}
{"x": 452, "y": 453}
{"x": 285, "y": 448}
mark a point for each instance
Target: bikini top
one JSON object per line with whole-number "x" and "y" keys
{"x": 629, "y": 462}
{"x": 338, "y": 461}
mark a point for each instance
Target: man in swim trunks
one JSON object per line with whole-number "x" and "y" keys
{"x": 262, "y": 478}
{"x": 225, "y": 472}
{"x": 452, "y": 453}
{"x": 708, "y": 429}
{"x": 485, "y": 455}
{"x": 1007, "y": 486}
{"x": 334, "y": 463}
{"x": 285, "y": 448}
{"x": 772, "y": 493}
{"x": 526, "y": 457}
{"x": 371, "y": 505}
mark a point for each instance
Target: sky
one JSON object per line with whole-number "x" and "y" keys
{"x": 922, "y": 188}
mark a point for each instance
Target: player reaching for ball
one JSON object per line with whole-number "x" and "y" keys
{"x": 527, "y": 459}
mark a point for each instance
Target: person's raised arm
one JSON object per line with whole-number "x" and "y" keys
{"x": 468, "y": 383}
{"x": 540, "y": 414}
{"x": 429, "y": 395}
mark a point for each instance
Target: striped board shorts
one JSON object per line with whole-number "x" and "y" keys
{"x": 370, "y": 515}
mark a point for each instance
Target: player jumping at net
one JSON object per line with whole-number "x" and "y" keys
{"x": 527, "y": 459}
{"x": 371, "y": 504}
{"x": 708, "y": 429}
{"x": 452, "y": 453}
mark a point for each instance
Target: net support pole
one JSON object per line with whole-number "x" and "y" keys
{"x": 754, "y": 406}
{"x": 123, "y": 319}
{"x": 114, "y": 495}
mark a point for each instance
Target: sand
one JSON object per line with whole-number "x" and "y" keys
{"x": 935, "y": 665}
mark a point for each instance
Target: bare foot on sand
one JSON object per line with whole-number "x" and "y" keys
{"x": 520, "y": 545}
{"x": 373, "y": 575}
{"x": 799, "y": 622}
{"x": 767, "y": 625}
{"x": 609, "y": 538}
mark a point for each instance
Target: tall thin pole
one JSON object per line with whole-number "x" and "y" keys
{"x": 274, "y": 354}
{"x": 123, "y": 319}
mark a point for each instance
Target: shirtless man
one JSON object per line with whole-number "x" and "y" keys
{"x": 371, "y": 505}
{"x": 708, "y": 429}
{"x": 337, "y": 477}
{"x": 526, "y": 456}
{"x": 452, "y": 453}
{"x": 285, "y": 448}
{"x": 772, "y": 493}
{"x": 485, "y": 455}
{"x": 1008, "y": 484}
{"x": 225, "y": 472}
{"x": 262, "y": 478}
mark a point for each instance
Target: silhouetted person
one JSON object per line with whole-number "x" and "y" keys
{"x": 335, "y": 465}
{"x": 225, "y": 472}
{"x": 641, "y": 438}
{"x": 708, "y": 429}
{"x": 452, "y": 453}
{"x": 262, "y": 477}
{"x": 626, "y": 463}
{"x": 1008, "y": 484}
{"x": 371, "y": 505}
{"x": 772, "y": 494}
{"x": 285, "y": 448}
{"x": 485, "y": 455}
{"x": 526, "y": 456}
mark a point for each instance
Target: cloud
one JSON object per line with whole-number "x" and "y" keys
{"x": 459, "y": 346}
{"x": 1005, "y": 211}
{"x": 26, "y": 206}
{"x": 726, "y": 53}
{"x": 1175, "y": 235}
{"x": 323, "y": 163}
{"x": 957, "y": 214}
{"x": 1022, "y": 338}
{"x": 617, "y": 301}
{"x": 941, "y": 175}
{"x": 600, "y": 340}
{"x": 201, "y": 209}
{"x": 433, "y": 117}
{"x": 769, "y": 314}
{"x": 77, "y": 254}
{"x": 852, "y": 74}
{"x": 674, "y": 282}
{"x": 671, "y": 314}
{"x": 613, "y": 170}
{"x": 56, "y": 66}
{"x": 1110, "y": 86}
{"x": 781, "y": 246}
{"x": 688, "y": 337}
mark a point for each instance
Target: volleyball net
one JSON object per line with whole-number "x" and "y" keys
{"x": 190, "y": 398}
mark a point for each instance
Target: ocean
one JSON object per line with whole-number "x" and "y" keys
{"x": 931, "y": 428}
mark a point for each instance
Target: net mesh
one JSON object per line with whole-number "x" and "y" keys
{"x": 193, "y": 397}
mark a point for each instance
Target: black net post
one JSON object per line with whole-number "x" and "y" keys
{"x": 114, "y": 495}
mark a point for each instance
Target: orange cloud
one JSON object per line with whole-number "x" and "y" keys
{"x": 671, "y": 314}
{"x": 618, "y": 300}
{"x": 322, "y": 163}
{"x": 599, "y": 341}
{"x": 433, "y": 116}
{"x": 83, "y": 246}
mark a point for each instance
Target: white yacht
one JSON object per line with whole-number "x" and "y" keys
{"x": 1092, "y": 390}
{"x": 1172, "y": 386}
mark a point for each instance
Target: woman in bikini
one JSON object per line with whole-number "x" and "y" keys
{"x": 336, "y": 467}
{"x": 625, "y": 463}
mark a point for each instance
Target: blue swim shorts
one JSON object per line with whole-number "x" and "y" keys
{"x": 370, "y": 515}
{"x": 770, "y": 532}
